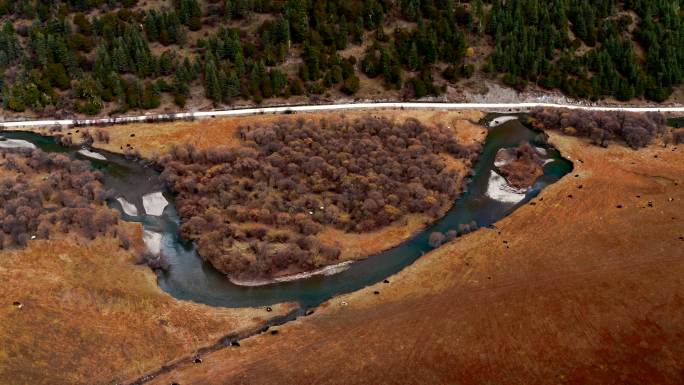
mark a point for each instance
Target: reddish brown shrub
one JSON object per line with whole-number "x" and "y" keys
{"x": 636, "y": 129}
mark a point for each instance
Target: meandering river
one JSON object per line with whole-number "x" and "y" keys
{"x": 190, "y": 278}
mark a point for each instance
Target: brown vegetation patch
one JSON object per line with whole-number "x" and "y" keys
{"x": 635, "y": 129}
{"x": 521, "y": 165}
{"x": 43, "y": 194}
{"x": 296, "y": 177}
{"x": 566, "y": 291}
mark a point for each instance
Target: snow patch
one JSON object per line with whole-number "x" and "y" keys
{"x": 501, "y": 120}
{"x": 503, "y": 157}
{"x": 541, "y": 151}
{"x": 91, "y": 154}
{"x": 128, "y": 207}
{"x": 16, "y": 143}
{"x": 499, "y": 190}
{"x": 154, "y": 203}
{"x": 152, "y": 241}
{"x": 327, "y": 270}
{"x": 250, "y": 282}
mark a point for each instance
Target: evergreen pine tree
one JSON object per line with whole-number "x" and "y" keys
{"x": 212, "y": 87}
{"x": 413, "y": 61}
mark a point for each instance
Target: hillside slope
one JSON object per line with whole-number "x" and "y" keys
{"x": 95, "y": 57}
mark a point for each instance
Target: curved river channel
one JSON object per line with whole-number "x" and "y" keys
{"x": 190, "y": 278}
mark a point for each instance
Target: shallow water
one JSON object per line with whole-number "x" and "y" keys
{"x": 190, "y": 278}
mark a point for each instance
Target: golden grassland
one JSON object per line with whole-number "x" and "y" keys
{"x": 584, "y": 285}
{"x": 360, "y": 245}
{"x": 89, "y": 315}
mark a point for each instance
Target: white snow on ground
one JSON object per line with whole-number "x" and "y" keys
{"x": 327, "y": 270}
{"x": 501, "y": 120}
{"x": 498, "y": 189}
{"x": 91, "y": 154}
{"x": 154, "y": 203}
{"x": 152, "y": 241}
{"x": 250, "y": 282}
{"x": 16, "y": 143}
{"x": 128, "y": 207}
{"x": 503, "y": 157}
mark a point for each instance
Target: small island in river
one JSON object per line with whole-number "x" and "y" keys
{"x": 520, "y": 166}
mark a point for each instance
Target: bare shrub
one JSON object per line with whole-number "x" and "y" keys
{"x": 124, "y": 239}
{"x": 436, "y": 239}
{"x": 43, "y": 231}
{"x": 451, "y": 235}
{"x": 68, "y": 196}
{"x": 64, "y": 140}
{"x": 155, "y": 262}
{"x": 87, "y": 137}
{"x": 637, "y": 130}
{"x": 102, "y": 136}
{"x": 678, "y": 136}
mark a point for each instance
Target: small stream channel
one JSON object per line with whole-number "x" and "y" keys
{"x": 190, "y": 278}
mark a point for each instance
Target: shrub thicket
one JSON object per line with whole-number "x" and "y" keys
{"x": 255, "y": 210}
{"x": 636, "y": 129}
{"x": 42, "y": 195}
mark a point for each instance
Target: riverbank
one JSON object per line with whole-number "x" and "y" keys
{"x": 554, "y": 291}
{"x": 326, "y": 270}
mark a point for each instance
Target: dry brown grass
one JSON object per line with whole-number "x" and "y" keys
{"x": 570, "y": 290}
{"x": 90, "y": 316}
{"x": 361, "y": 245}
{"x": 151, "y": 138}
